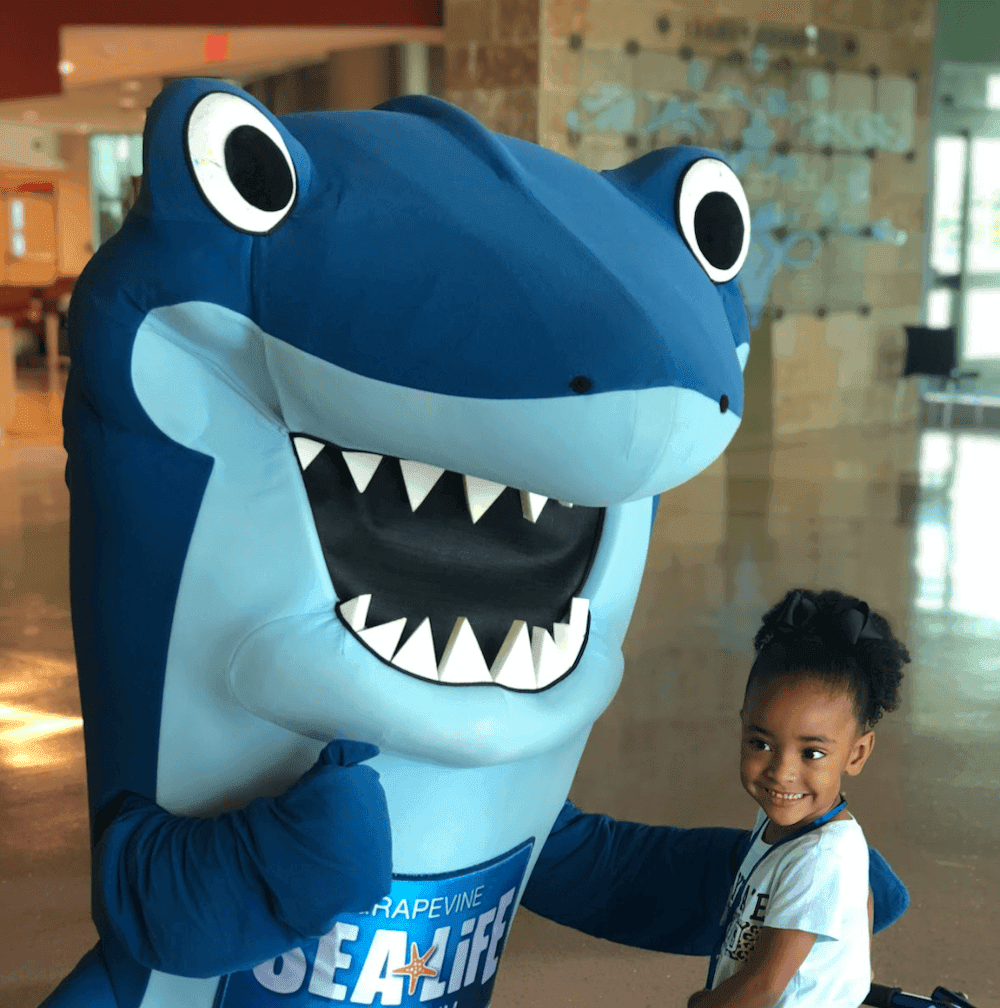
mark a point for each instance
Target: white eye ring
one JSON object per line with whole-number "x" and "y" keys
{"x": 210, "y": 126}
{"x": 703, "y": 178}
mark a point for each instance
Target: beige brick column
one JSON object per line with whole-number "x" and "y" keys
{"x": 491, "y": 62}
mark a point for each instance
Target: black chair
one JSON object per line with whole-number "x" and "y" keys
{"x": 932, "y": 353}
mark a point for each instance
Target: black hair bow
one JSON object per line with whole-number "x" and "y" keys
{"x": 799, "y": 617}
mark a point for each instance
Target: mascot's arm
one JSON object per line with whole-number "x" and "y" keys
{"x": 206, "y": 897}
{"x": 656, "y": 887}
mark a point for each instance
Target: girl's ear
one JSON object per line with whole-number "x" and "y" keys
{"x": 860, "y": 753}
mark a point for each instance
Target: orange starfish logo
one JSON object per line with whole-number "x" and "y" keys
{"x": 417, "y": 966}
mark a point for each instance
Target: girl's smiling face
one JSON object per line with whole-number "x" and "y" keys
{"x": 798, "y": 740}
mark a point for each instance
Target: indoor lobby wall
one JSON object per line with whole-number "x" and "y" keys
{"x": 346, "y": 79}
{"x": 491, "y": 62}
{"x": 821, "y": 106}
{"x": 822, "y": 109}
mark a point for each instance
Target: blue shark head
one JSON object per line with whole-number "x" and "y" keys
{"x": 366, "y": 421}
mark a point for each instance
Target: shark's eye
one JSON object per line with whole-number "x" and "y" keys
{"x": 714, "y": 217}
{"x": 240, "y": 163}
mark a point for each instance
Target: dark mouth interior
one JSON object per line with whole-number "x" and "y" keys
{"x": 435, "y": 562}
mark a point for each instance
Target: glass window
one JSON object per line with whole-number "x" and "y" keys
{"x": 981, "y": 321}
{"x": 17, "y": 247}
{"x": 993, "y": 91}
{"x": 939, "y": 302}
{"x": 946, "y": 229}
{"x": 114, "y": 159}
{"x": 984, "y": 206}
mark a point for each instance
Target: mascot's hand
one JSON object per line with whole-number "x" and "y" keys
{"x": 206, "y": 897}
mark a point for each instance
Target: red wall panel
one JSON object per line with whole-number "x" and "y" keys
{"x": 29, "y": 59}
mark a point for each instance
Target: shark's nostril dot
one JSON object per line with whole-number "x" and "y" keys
{"x": 580, "y": 384}
{"x": 724, "y": 404}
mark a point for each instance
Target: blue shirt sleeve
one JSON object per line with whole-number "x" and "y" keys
{"x": 656, "y": 887}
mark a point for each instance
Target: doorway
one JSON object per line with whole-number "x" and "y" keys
{"x": 964, "y": 288}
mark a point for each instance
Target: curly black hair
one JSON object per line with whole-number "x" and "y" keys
{"x": 869, "y": 672}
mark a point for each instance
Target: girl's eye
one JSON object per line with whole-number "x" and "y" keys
{"x": 757, "y": 741}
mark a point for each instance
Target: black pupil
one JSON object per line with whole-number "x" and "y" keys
{"x": 258, "y": 169}
{"x": 718, "y": 229}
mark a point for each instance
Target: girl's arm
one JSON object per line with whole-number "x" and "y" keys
{"x": 745, "y": 991}
{"x": 871, "y": 922}
{"x": 774, "y": 960}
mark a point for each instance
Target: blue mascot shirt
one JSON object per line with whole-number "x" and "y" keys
{"x": 435, "y": 940}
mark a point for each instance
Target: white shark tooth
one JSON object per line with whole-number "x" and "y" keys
{"x": 384, "y": 638}
{"x": 579, "y": 609}
{"x": 480, "y": 494}
{"x": 513, "y": 665}
{"x": 548, "y": 660}
{"x": 362, "y": 466}
{"x": 355, "y": 611}
{"x": 417, "y": 654}
{"x": 569, "y": 636}
{"x": 463, "y": 661}
{"x": 307, "y": 450}
{"x": 565, "y": 503}
{"x": 419, "y": 478}
{"x": 532, "y": 504}
{"x": 563, "y": 637}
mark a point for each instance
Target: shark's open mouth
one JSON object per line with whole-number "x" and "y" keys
{"x": 449, "y": 577}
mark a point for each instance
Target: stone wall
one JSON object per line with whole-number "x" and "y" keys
{"x": 491, "y": 62}
{"x": 822, "y": 109}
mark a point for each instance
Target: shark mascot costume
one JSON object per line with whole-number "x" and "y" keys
{"x": 366, "y": 424}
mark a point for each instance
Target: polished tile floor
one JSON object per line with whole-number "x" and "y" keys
{"x": 906, "y": 520}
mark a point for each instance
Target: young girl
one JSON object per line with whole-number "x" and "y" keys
{"x": 798, "y": 922}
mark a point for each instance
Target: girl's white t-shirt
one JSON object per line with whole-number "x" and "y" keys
{"x": 818, "y": 883}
